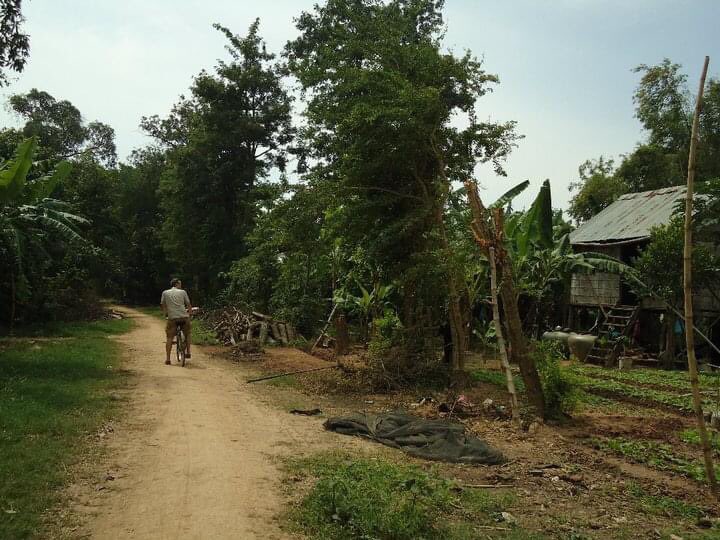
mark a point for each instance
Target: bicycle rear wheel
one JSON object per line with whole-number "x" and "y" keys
{"x": 180, "y": 347}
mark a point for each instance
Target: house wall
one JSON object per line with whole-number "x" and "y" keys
{"x": 597, "y": 288}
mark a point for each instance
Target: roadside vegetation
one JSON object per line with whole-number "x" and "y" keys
{"x": 347, "y": 496}
{"x": 55, "y": 394}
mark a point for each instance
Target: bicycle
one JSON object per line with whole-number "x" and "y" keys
{"x": 180, "y": 343}
{"x": 180, "y": 339}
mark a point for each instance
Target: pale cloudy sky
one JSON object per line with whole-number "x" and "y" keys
{"x": 564, "y": 65}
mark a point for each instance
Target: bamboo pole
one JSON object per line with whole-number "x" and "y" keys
{"x": 324, "y": 330}
{"x": 501, "y": 338}
{"x": 687, "y": 290}
{"x": 277, "y": 375}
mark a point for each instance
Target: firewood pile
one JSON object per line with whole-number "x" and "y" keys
{"x": 233, "y": 326}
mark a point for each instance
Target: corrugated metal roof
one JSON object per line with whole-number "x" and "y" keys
{"x": 630, "y": 217}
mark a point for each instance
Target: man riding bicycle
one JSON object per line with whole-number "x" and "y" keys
{"x": 175, "y": 304}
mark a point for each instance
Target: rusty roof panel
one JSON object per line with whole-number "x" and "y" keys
{"x": 630, "y": 217}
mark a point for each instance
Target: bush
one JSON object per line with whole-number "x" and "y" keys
{"x": 558, "y": 385}
{"x": 361, "y": 497}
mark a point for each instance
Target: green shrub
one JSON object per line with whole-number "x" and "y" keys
{"x": 374, "y": 499}
{"x": 559, "y": 387}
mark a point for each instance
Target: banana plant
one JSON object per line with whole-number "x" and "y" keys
{"x": 543, "y": 260}
{"x": 368, "y": 305}
{"x": 30, "y": 220}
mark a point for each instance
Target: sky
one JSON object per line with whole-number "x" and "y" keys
{"x": 565, "y": 66}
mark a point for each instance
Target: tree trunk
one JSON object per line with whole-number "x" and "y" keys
{"x": 455, "y": 316}
{"x": 501, "y": 339}
{"x": 487, "y": 239}
{"x": 13, "y": 301}
{"x": 342, "y": 341}
{"x": 518, "y": 343}
{"x": 687, "y": 291}
{"x": 667, "y": 357}
{"x": 263, "y": 332}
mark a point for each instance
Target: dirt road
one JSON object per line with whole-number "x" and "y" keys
{"x": 193, "y": 457}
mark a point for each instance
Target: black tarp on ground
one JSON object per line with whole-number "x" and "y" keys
{"x": 439, "y": 440}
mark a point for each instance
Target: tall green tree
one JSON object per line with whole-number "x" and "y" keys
{"x": 14, "y": 44}
{"x": 141, "y": 260}
{"x": 381, "y": 96}
{"x": 221, "y": 144}
{"x": 60, "y": 129}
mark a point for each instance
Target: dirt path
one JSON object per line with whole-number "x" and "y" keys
{"x": 194, "y": 456}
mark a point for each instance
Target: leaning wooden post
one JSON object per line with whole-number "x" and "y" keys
{"x": 500, "y": 338}
{"x": 486, "y": 238}
{"x": 687, "y": 290}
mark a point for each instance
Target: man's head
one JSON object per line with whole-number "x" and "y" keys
{"x": 175, "y": 282}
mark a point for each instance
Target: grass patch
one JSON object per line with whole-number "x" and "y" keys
{"x": 654, "y": 454}
{"x": 52, "y": 396}
{"x": 672, "y": 380}
{"x": 646, "y": 395}
{"x": 362, "y": 497}
{"x": 661, "y": 505}
{"x": 497, "y": 378}
{"x": 77, "y": 329}
{"x": 692, "y": 436}
{"x": 153, "y": 311}
{"x": 289, "y": 381}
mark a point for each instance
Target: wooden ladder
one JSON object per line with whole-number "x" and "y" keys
{"x": 618, "y": 322}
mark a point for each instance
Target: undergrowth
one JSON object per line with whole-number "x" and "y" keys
{"x": 559, "y": 386}
{"x": 662, "y": 505}
{"x": 654, "y": 454}
{"x": 370, "y": 498}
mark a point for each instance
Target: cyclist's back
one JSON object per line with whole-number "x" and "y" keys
{"x": 176, "y": 303}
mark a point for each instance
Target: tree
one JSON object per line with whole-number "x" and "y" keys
{"x": 488, "y": 229}
{"x": 597, "y": 188}
{"x": 658, "y": 269}
{"x": 60, "y": 129}
{"x": 662, "y": 105}
{"x": 381, "y": 96}
{"x": 220, "y": 144}
{"x": 289, "y": 267}
{"x": 143, "y": 269}
{"x": 648, "y": 167}
{"x": 14, "y": 44}
{"x": 707, "y": 209}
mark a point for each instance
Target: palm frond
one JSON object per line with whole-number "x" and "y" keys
{"x": 43, "y": 187}
{"x": 66, "y": 233}
{"x": 12, "y": 176}
{"x": 510, "y": 194}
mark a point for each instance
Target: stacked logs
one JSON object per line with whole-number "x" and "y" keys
{"x": 232, "y": 326}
